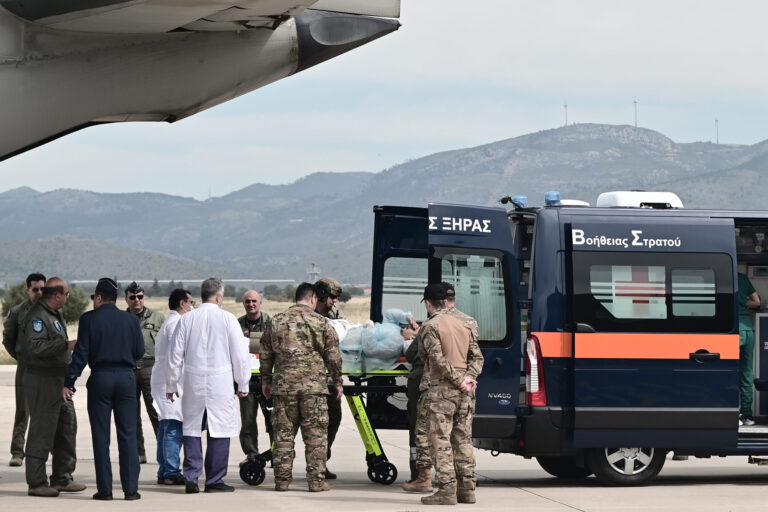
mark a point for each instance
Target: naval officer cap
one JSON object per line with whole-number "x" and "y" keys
{"x": 434, "y": 291}
{"x": 106, "y": 285}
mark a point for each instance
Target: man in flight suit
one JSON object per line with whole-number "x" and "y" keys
{"x": 52, "y": 420}
{"x": 14, "y": 341}
{"x": 150, "y": 322}
{"x": 253, "y": 323}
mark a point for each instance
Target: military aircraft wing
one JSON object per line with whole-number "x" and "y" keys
{"x": 153, "y": 16}
{"x": 67, "y": 65}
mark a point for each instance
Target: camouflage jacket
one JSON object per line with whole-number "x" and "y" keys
{"x": 46, "y": 335}
{"x": 150, "y": 321}
{"x": 299, "y": 345}
{"x": 13, "y": 330}
{"x": 254, "y": 331}
{"x": 432, "y": 349}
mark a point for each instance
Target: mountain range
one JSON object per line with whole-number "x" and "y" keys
{"x": 277, "y": 231}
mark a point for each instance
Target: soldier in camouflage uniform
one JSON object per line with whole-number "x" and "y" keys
{"x": 328, "y": 292}
{"x": 452, "y": 362}
{"x": 417, "y": 406}
{"x": 300, "y": 345}
{"x": 253, "y": 323}
{"x": 150, "y": 321}
{"x": 52, "y": 420}
{"x": 14, "y": 342}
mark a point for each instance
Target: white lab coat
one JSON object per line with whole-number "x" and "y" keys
{"x": 208, "y": 351}
{"x": 166, "y": 410}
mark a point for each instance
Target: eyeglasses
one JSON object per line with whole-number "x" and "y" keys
{"x": 37, "y": 289}
{"x": 334, "y": 297}
{"x": 136, "y": 297}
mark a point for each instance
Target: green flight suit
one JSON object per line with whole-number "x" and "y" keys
{"x": 14, "y": 341}
{"x": 150, "y": 325}
{"x": 249, "y": 406}
{"x": 746, "y": 349}
{"x": 53, "y": 424}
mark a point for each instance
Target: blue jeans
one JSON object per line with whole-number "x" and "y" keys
{"x": 169, "y": 440}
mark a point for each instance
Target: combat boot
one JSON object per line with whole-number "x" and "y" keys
{"x": 70, "y": 486}
{"x": 441, "y": 497}
{"x": 282, "y": 485}
{"x": 320, "y": 488}
{"x": 465, "y": 491}
{"x": 422, "y": 484}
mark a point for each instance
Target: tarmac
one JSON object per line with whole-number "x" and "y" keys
{"x": 506, "y": 482}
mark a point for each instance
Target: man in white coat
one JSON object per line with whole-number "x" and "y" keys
{"x": 169, "y": 434}
{"x": 209, "y": 347}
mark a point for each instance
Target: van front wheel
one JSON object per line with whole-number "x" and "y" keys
{"x": 563, "y": 467}
{"x": 625, "y": 466}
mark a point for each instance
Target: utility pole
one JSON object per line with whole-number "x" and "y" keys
{"x": 717, "y": 131}
{"x": 635, "y": 102}
{"x": 565, "y": 106}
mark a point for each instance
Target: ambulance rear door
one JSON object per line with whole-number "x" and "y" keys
{"x": 472, "y": 248}
{"x": 655, "y": 342}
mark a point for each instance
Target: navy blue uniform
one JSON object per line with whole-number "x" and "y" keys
{"x": 110, "y": 341}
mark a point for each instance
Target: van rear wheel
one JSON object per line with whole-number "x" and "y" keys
{"x": 563, "y": 467}
{"x": 625, "y": 466}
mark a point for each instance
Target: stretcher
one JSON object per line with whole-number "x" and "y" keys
{"x": 377, "y": 400}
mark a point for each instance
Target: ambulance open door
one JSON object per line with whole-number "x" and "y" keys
{"x": 472, "y": 248}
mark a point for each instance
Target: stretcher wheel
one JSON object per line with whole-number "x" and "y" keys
{"x": 252, "y": 473}
{"x": 383, "y": 473}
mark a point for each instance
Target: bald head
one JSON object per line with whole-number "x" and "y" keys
{"x": 56, "y": 292}
{"x": 252, "y": 304}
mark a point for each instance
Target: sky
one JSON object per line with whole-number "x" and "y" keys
{"x": 456, "y": 74}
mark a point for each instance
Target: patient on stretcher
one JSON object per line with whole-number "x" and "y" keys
{"x": 371, "y": 347}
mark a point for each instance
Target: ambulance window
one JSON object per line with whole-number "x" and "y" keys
{"x": 693, "y": 292}
{"x": 480, "y": 293}
{"x": 653, "y": 292}
{"x": 404, "y": 282}
{"x": 630, "y": 291}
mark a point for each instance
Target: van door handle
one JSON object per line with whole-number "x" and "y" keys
{"x": 582, "y": 327}
{"x": 702, "y": 354}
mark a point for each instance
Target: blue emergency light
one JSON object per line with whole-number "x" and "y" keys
{"x": 552, "y": 198}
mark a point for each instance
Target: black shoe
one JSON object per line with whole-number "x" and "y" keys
{"x": 219, "y": 488}
{"x": 191, "y": 488}
{"x": 173, "y": 480}
{"x": 329, "y": 475}
{"x": 130, "y": 496}
{"x": 103, "y": 496}
{"x": 142, "y": 459}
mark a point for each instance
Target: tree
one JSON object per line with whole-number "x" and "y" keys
{"x": 271, "y": 290}
{"x": 16, "y": 295}
{"x": 75, "y": 306}
{"x": 229, "y": 290}
{"x": 354, "y": 291}
{"x": 156, "y": 291}
{"x": 345, "y": 296}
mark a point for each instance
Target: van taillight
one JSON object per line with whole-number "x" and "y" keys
{"x": 535, "y": 389}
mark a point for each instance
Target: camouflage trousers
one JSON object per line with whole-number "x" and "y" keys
{"x": 310, "y": 412}
{"x": 449, "y": 430}
{"x": 420, "y": 438}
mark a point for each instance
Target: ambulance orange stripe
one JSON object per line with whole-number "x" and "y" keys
{"x": 654, "y": 345}
{"x": 608, "y": 345}
{"x": 554, "y": 344}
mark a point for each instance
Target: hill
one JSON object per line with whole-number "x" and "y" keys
{"x": 266, "y": 231}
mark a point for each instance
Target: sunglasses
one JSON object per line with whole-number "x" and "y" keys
{"x": 334, "y": 297}
{"x": 136, "y": 297}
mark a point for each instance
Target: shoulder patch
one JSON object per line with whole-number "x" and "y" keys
{"x": 57, "y": 324}
{"x": 37, "y": 325}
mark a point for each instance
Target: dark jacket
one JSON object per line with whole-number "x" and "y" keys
{"x": 107, "y": 339}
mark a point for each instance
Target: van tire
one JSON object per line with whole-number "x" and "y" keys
{"x": 563, "y": 467}
{"x": 626, "y": 467}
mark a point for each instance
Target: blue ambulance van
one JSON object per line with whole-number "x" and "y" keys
{"x": 610, "y": 334}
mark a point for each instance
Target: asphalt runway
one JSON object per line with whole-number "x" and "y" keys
{"x": 506, "y": 482}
